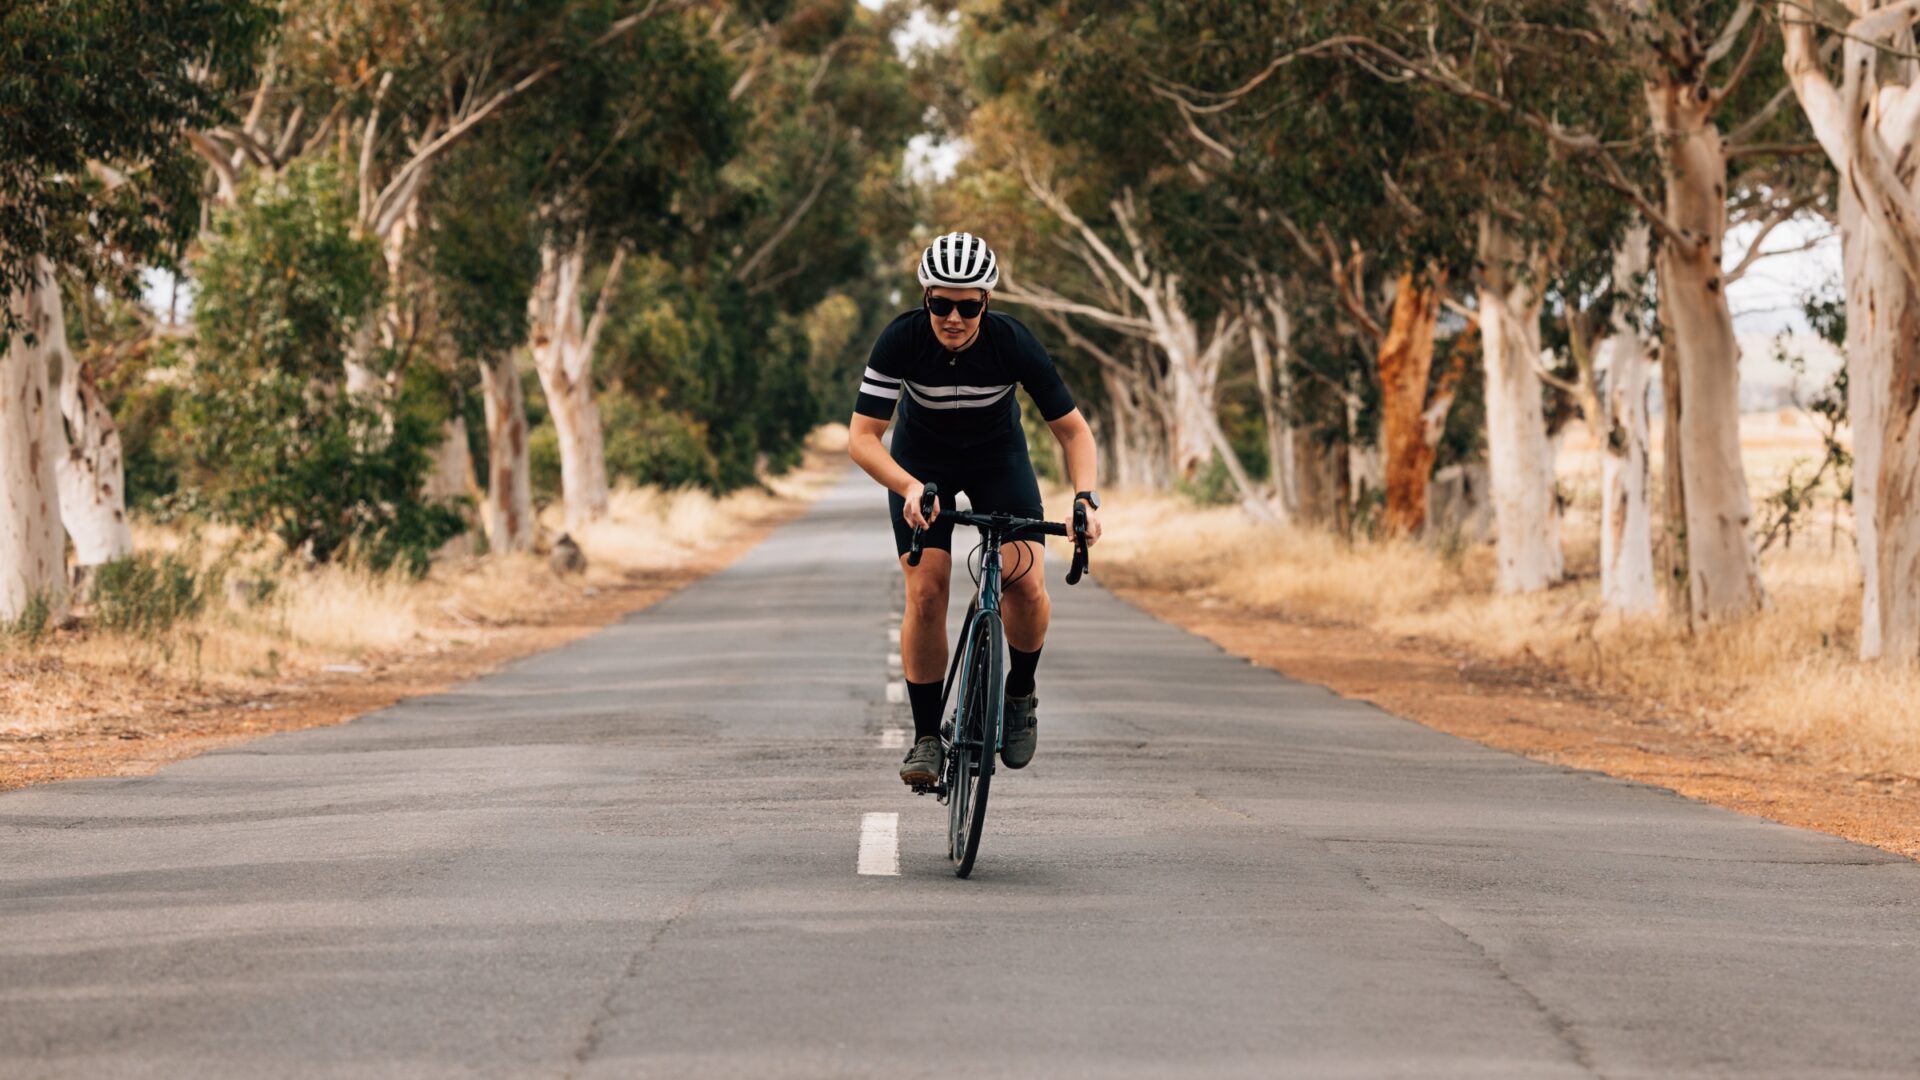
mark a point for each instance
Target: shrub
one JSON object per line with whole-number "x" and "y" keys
{"x": 649, "y": 444}
{"x": 145, "y": 594}
{"x": 33, "y": 622}
{"x": 270, "y": 439}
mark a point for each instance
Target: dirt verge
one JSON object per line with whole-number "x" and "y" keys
{"x": 1532, "y": 712}
{"x": 166, "y": 726}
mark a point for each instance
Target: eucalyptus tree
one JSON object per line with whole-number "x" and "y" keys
{"x": 1106, "y": 238}
{"x": 1320, "y": 173}
{"x": 93, "y": 182}
{"x": 1856, "y": 69}
{"x": 483, "y": 253}
{"x": 388, "y": 90}
{"x": 1701, "y": 67}
{"x": 612, "y": 154}
{"x": 1530, "y": 208}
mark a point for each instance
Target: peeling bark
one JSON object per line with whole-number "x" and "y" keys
{"x": 1520, "y": 456}
{"x": 1271, "y": 340}
{"x": 89, "y": 466}
{"x": 1405, "y": 362}
{"x": 32, "y": 547}
{"x": 564, "y": 340}
{"x": 92, "y": 475}
{"x": 507, "y": 512}
{"x": 1869, "y": 127}
{"x": 1626, "y": 512}
{"x": 1723, "y": 571}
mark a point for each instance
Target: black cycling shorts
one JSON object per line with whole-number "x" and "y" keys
{"x": 998, "y": 482}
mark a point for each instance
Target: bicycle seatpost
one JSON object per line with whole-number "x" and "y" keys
{"x": 929, "y": 498}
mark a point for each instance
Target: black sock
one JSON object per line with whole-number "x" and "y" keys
{"x": 1020, "y": 671}
{"x": 926, "y": 708}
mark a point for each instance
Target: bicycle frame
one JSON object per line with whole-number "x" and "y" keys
{"x": 986, "y": 601}
{"x": 969, "y": 764}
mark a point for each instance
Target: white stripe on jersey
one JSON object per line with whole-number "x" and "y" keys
{"x": 924, "y": 390}
{"x": 873, "y": 376}
{"x": 892, "y": 393}
{"x": 969, "y": 403}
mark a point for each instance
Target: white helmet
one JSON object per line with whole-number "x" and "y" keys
{"x": 959, "y": 261}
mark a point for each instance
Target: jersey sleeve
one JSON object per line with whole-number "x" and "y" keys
{"x": 880, "y": 383}
{"x": 1036, "y": 372}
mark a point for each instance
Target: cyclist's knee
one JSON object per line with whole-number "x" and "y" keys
{"x": 926, "y": 597}
{"x": 1028, "y": 588}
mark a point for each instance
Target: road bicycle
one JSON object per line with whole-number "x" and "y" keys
{"x": 976, "y": 676}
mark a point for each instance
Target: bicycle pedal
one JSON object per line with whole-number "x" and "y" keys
{"x": 926, "y": 789}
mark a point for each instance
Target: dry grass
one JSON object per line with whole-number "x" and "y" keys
{"x": 333, "y": 615}
{"x": 1785, "y": 682}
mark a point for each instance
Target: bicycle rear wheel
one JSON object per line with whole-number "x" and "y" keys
{"x": 977, "y": 720}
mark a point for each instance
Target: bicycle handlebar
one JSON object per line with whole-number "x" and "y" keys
{"x": 1012, "y": 527}
{"x": 929, "y": 498}
{"x": 1079, "y": 566}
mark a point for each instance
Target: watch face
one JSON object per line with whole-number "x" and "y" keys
{"x": 1092, "y": 498}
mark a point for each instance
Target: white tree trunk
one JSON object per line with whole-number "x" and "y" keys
{"x": 1723, "y": 572}
{"x": 1871, "y": 132}
{"x": 508, "y": 511}
{"x": 1526, "y": 516}
{"x": 1626, "y": 510}
{"x": 89, "y": 465}
{"x": 1269, "y": 354}
{"x": 563, "y": 345}
{"x": 32, "y": 547}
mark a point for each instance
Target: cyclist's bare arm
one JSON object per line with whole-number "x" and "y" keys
{"x": 868, "y": 452}
{"x": 1083, "y": 461}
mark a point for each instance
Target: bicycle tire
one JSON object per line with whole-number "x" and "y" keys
{"x": 983, "y": 701}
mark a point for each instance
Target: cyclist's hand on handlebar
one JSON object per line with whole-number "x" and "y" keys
{"x": 912, "y": 509}
{"x": 1093, "y": 525}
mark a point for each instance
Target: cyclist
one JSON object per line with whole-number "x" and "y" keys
{"x": 951, "y": 365}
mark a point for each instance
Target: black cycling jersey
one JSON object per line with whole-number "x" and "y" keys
{"x": 963, "y": 400}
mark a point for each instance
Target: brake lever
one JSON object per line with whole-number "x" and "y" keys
{"x": 1079, "y": 543}
{"x": 929, "y": 498}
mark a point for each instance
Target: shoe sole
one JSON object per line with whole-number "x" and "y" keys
{"x": 924, "y": 779}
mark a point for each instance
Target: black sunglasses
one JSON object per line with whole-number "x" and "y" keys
{"x": 943, "y": 307}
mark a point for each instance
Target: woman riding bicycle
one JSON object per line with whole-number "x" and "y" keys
{"x": 951, "y": 366}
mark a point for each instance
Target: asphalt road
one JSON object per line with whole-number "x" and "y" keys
{"x": 638, "y": 856}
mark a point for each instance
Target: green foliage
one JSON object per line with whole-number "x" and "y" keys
{"x": 316, "y": 469}
{"x": 31, "y": 625}
{"x": 543, "y": 463}
{"x": 649, "y": 444}
{"x": 269, "y": 440}
{"x": 286, "y": 279}
{"x": 740, "y": 372}
{"x": 1211, "y": 485}
{"x": 146, "y": 593}
{"x": 117, "y": 83}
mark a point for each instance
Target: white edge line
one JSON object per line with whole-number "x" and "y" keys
{"x": 896, "y": 692}
{"x": 880, "y": 845}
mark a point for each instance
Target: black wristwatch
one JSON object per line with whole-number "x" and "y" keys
{"x": 1091, "y": 498}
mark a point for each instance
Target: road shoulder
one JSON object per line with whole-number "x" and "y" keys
{"x": 1532, "y": 712}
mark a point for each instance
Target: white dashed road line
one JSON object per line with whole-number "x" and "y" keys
{"x": 893, "y": 738}
{"x": 880, "y": 844}
{"x": 897, "y": 692}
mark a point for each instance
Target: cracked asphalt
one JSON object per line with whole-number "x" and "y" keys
{"x": 635, "y": 856}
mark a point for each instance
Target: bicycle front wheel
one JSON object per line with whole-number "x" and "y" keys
{"x": 976, "y": 726}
